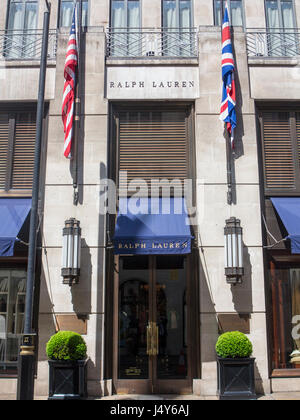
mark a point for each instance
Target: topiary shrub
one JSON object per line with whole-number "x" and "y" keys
{"x": 66, "y": 345}
{"x": 233, "y": 344}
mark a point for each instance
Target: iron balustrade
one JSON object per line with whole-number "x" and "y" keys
{"x": 26, "y": 44}
{"x": 151, "y": 42}
{"x": 273, "y": 42}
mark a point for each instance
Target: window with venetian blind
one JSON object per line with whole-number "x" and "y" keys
{"x": 17, "y": 140}
{"x": 153, "y": 145}
{"x": 281, "y": 151}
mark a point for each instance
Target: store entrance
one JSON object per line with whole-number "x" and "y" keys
{"x": 152, "y": 351}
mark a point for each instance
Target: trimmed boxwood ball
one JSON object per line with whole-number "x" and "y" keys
{"x": 233, "y": 344}
{"x": 66, "y": 345}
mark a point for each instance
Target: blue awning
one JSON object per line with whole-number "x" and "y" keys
{"x": 13, "y": 212}
{"x": 152, "y": 226}
{"x": 288, "y": 209}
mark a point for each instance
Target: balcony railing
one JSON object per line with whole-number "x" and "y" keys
{"x": 152, "y": 43}
{"x": 273, "y": 42}
{"x": 26, "y": 45}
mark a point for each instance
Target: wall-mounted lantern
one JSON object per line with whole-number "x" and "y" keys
{"x": 233, "y": 235}
{"x": 71, "y": 252}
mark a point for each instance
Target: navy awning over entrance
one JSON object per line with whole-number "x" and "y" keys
{"x": 288, "y": 209}
{"x": 13, "y": 212}
{"x": 149, "y": 226}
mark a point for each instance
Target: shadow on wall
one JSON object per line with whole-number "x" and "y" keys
{"x": 239, "y": 130}
{"x": 47, "y": 323}
{"x": 242, "y": 293}
{"x": 259, "y": 388}
{"x": 208, "y": 318}
{"x": 81, "y": 292}
{"x": 210, "y": 323}
{"x": 82, "y": 300}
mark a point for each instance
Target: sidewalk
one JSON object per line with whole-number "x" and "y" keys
{"x": 279, "y": 396}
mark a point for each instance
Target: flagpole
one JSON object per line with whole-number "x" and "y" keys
{"x": 26, "y": 362}
{"x": 227, "y": 137}
{"x": 229, "y": 168}
{"x": 77, "y": 107}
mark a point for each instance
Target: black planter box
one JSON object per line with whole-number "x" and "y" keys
{"x": 236, "y": 379}
{"x": 67, "y": 380}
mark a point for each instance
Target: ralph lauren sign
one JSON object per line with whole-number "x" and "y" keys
{"x": 153, "y": 246}
{"x": 152, "y": 83}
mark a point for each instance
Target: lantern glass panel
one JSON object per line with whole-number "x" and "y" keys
{"x": 65, "y": 251}
{"x": 234, "y": 250}
{"x": 229, "y": 250}
{"x": 76, "y": 249}
{"x": 240, "y": 248}
{"x": 70, "y": 251}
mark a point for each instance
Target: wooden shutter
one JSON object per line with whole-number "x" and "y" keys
{"x": 153, "y": 145}
{"x": 278, "y": 151}
{"x": 298, "y": 134}
{"x": 23, "y": 158}
{"x": 4, "y": 135}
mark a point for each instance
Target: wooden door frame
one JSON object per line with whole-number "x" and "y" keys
{"x": 153, "y": 384}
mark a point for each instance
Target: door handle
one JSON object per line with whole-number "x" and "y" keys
{"x": 149, "y": 339}
{"x": 155, "y": 350}
{"x": 152, "y": 339}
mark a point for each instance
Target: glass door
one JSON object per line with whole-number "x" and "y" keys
{"x": 171, "y": 364}
{"x": 151, "y": 325}
{"x": 133, "y": 314}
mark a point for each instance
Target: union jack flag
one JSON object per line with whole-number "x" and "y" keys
{"x": 228, "y": 114}
{"x": 70, "y": 85}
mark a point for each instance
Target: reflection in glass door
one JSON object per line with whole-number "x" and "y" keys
{"x": 171, "y": 319}
{"x": 152, "y": 352}
{"x": 133, "y": 320}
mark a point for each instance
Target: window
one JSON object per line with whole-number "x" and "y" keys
{"x": 125, "y": 33}
{"x": 280, "y": 132}
{"x": 177, "y": 14}
{"x": 12, "y": 304}
{"x": 280, "y": 136}
{"x": 21, "y": 29}
{"x": 17, "y": 140}
{"x": 235, "y": 9}
{"x": 280, "y": 14}
{"x": 284, "y": 289}
{"x": 153, "y": 145}
{"x": 280, "y": 19}
{"x": 125, "y": 14}
{"x": 22, "y": 15}
{"x": 176, "y": 38}
{"x": 177, "y": 25}
{"x": 66, "y": 13}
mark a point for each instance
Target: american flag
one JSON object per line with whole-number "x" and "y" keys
{"x": 228, "y": 114}
{"x": 70, "y": 85}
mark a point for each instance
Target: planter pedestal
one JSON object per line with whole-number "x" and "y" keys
{"x": 296, "y": 362}
{"x": 67, "y": 380}
{"x": 236, "y": 379}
